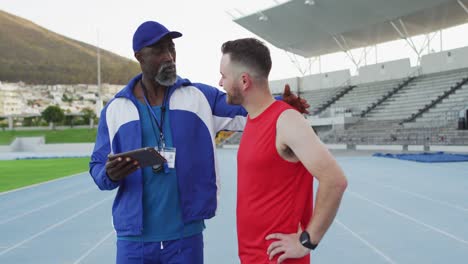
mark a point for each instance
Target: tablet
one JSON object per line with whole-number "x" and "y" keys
{"x": 145, "y": 156}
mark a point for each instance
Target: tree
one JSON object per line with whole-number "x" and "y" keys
{"x": 3, "y": 123}
{"x": 88, "y": 115}
{"x": 53, "y": 114}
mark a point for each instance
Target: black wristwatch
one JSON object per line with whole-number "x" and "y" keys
{"x": 305, "y": 241}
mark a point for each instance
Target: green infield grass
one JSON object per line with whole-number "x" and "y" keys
{"x": 19, "y": 173}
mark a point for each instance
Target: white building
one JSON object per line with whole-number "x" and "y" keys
{"x": 10, "y": 100}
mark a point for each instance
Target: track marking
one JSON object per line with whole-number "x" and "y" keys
{"x": 53, "y": 226}
{"x": 43, "y": 207}
{"x": 86, "y": 254}
{"x": 424, "y": 197}
{"x": 435, "y": 229}
{"x": 365, "y": 242}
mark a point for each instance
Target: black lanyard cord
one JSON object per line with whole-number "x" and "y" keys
{"x": 163, "y": 110}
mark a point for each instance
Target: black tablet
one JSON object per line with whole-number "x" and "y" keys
{"x": 145, "y": 156}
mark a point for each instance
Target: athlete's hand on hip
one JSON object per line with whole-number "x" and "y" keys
{"x": 288, "y": 244}
{"x": 300, "y": 104}
{"x": 119, "y": 168}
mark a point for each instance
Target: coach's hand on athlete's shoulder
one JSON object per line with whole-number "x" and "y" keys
{"x": 119, "y": 168}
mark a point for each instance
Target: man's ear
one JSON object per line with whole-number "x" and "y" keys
{"x": 246, "y": 80}
{"x": 139, "y": 57}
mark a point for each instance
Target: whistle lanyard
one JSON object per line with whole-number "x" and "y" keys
{"x": 161, "y": 143}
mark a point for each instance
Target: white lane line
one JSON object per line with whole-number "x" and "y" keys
{"x": 367, "y": 243}
{"x": 421, "y": 196}
{"x": 452, "y": 205}
{"x": 44, "y": 206}
{"x": 435, "y": 229}
{"x": 53, "y": 226}
{"x": 86, "y": 254}
{"x": 41, "y": 183}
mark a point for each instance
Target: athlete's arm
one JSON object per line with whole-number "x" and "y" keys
{"x": 296, "y": 135}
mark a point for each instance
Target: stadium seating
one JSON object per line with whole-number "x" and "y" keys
{"x": 383, "y": 125}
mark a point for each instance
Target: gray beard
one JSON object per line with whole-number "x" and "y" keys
{"x": 164, "y": 77}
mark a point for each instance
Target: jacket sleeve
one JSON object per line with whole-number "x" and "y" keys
{"x": 229, "y": 117}
{"x": 97, "y": 165}
{"x": 226, "y": 116}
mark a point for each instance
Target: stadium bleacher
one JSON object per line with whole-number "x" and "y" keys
{"x": 416, "y": 95}
{"x": 437, "y": 126}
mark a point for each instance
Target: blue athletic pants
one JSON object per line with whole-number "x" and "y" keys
{"x": 187, "y": 250}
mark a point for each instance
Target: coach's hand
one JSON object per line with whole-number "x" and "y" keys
{"x": 300, "y": 104}
{"x": 119, "y": 168}
{"x": 288, "y": 244}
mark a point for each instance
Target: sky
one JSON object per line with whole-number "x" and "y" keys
{"x": 205, "y": 24}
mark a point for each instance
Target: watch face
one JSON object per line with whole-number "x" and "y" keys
{"x": 304, "y": 238}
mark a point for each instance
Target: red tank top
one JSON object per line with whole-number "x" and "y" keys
{"x": 273, "y": 195}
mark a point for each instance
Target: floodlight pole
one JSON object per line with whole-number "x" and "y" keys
{"x": 99, "y": 90}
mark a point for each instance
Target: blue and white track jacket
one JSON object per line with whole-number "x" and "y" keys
{"x": 197, "y": 112}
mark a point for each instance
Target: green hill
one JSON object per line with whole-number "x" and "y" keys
{"x": 35, "y": 55}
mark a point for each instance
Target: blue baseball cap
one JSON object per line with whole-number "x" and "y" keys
{"x": 149, "y": 33}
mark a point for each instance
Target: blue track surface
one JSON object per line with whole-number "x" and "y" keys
{"x": 394, "y": 211}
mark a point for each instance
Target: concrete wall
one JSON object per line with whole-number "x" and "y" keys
{"x": 47, "y": 151}
{"x": 325, "y": 80}
{"x": 379, "y": 147}
{"x": 277, "y": 86}
{"x": 26, "y": 143}
{"x": 462, "y": 149}
{"x": 336, "y": 146}
{"x": 445, "y": 60}
{"x": 334, "y": 121}
{"x": 78, "y": 148}
{"x": 312, "y": 82}
{"x": 415, "y": 148}
{"x": 5, "y": 148}
{"x": 389, "y": 70}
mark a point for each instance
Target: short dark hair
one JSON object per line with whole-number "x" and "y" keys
{"x": 249, "y": 52}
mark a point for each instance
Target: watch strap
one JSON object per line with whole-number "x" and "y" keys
{"x": 304, "y": 239}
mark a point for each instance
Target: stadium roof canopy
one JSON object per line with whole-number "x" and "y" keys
{"x": 316, "y": 27}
